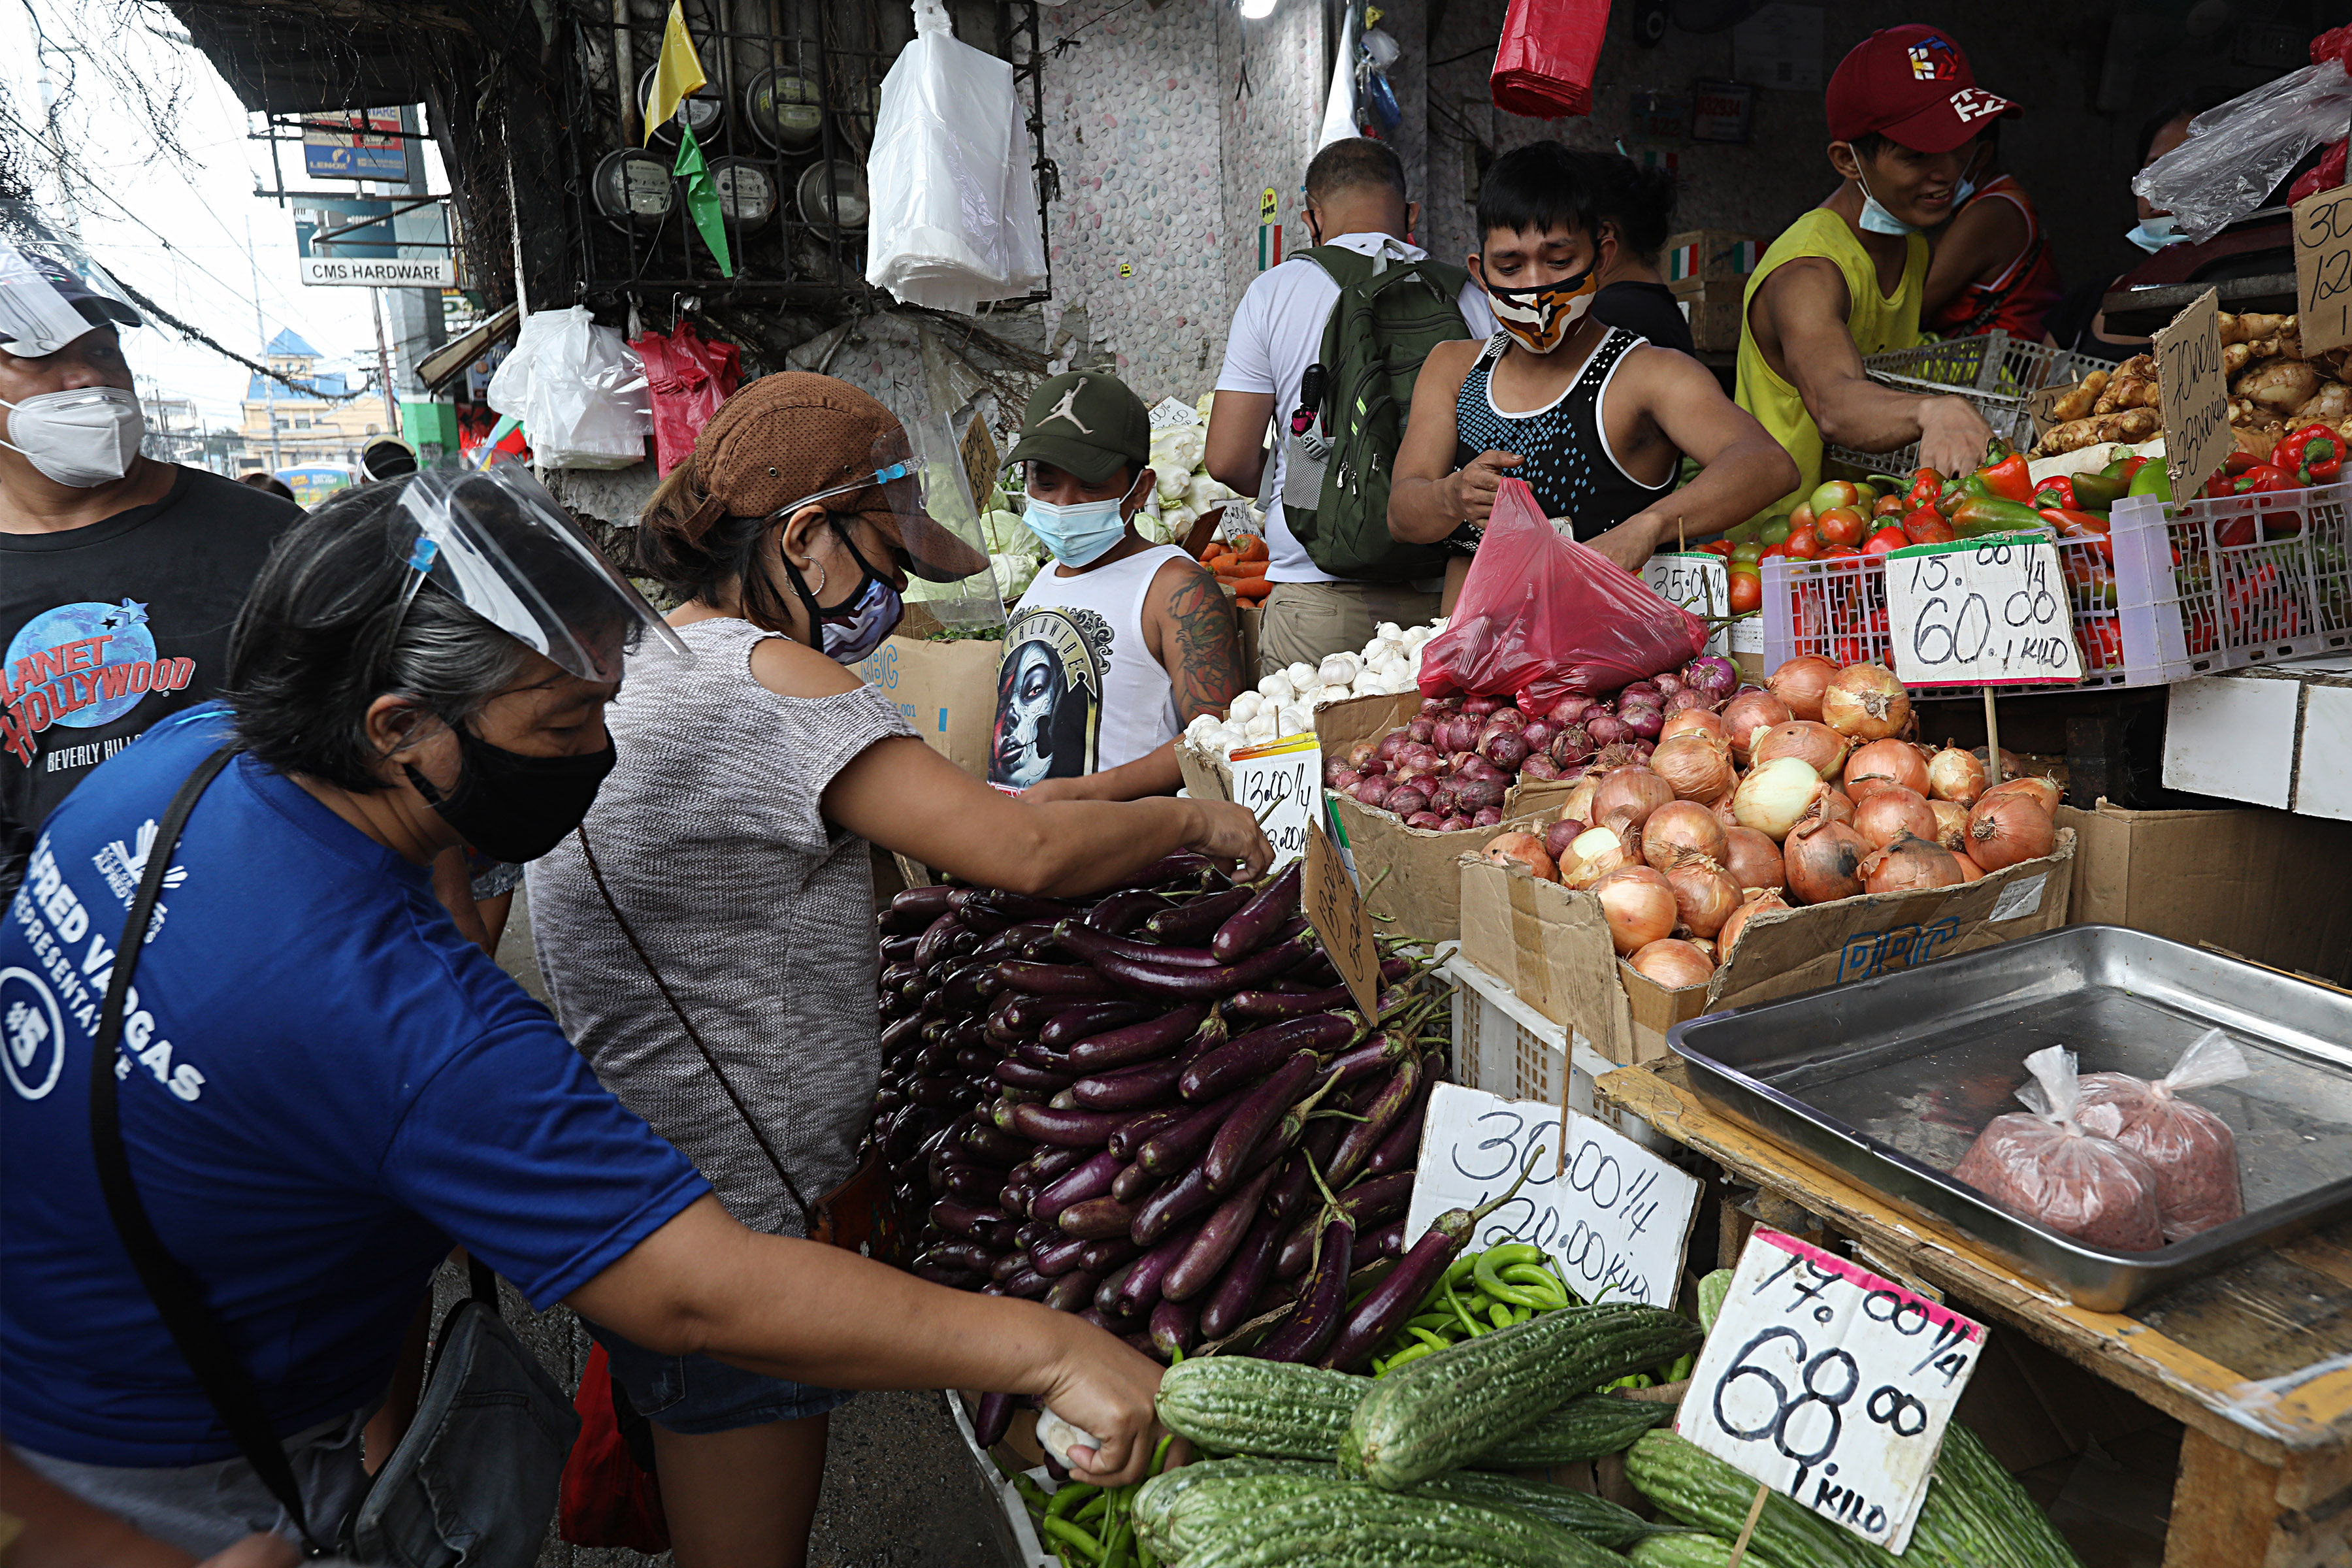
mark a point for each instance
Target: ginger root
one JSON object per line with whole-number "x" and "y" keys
{"x": 2277, "y": 385}
{"x": 2077, "y": 402}
{"x": 2253, "y": 325}
{"x": 2130, "y": 426}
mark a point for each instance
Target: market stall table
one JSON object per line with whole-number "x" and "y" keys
{"x": 2255, "y": 1360}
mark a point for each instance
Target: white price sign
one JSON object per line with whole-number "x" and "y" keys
{"x": 1831, "y": 1385}
{"x": 1697, "y": 582}
{"x": 1282, "y": 784}
{"x": 1617, "y": 1218}
{"x": 1982, "y": 612}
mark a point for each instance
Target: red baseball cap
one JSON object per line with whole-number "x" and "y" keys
{"x": 1913, "y": 86}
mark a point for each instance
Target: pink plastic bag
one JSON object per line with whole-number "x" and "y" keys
{"x": 688, "y": 377}
{"x": 1544, "y": 64}
{"x": 2192, "y": 1152}
{"x": 2063, "y": 1169}
{"x": 1542, "y": 614}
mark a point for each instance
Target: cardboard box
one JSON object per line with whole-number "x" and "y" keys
{"x": 947, "y": 690}
{"x": 2264, "y": 884}
{"x": 1714, "y": 315}
{"x": 1549, "y": 944}
{"x": 1711, "y": 255}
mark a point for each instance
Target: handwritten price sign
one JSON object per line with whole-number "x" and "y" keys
{"x": 2193, "y": 394}
{"x": 1282, "y": 784}
{"x": 2322, "y": 269}
{"x": 1617, "y": 1218}
{"x": 1830, "y": 1385}
{"x": 1982, "y": 612}
{"x": 1697, "y": 582}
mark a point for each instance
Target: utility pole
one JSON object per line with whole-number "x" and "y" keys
{"x": 384, "y": 365}
{"x": 269, "y": 400}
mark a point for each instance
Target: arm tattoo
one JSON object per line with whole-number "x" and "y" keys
{"x": 1207, "y": 667}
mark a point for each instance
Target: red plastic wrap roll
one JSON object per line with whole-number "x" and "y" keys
{"x": 1549, "y": 49}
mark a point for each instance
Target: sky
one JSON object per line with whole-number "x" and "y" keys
{"x": 206, "y": 206}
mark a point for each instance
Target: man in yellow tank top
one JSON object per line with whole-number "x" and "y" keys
{"x": 1845, "y": 279}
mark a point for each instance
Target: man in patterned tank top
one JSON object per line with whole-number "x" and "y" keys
{"x": 1592, "y": 417}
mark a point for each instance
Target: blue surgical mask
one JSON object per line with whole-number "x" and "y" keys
{"x": 1962, "y": 192}
{"x": 2154, "y": 234}
{"x": 1876, "y": 219}
{"x": 1081, "y": 533}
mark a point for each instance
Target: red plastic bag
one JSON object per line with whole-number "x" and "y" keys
{"x": 1542, "y": 614}
{"x": 2323, "y": 176}
{"x": 1549, "y": 48}
{"x": 2192, "y": 1152}
{"x": 2057, "y": 1163}
{"x": 607, "y": 1499}
{"x": 688, "y": 377}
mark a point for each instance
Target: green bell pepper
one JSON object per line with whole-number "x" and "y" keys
{"x": 2099, "y": 492}
{"x": 2152, "y": 481}
{"x": 1979, "y": 515}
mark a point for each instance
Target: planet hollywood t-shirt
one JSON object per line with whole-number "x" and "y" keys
{"x": 106, "y": 629}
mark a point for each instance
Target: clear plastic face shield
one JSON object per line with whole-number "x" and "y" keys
{"x": 498, "y": 543}
{"x": 54, "y": 301}
{"x": 52, "y": 291}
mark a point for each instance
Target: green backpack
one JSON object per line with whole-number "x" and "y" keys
{"x": 1389, "y": 314}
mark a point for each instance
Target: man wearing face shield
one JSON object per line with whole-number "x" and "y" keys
{"x": 708, "y": 934}
{"x": 119, "y": 575}
{"x": 1849, "y": 277}
{"x": 321, "y": 1085}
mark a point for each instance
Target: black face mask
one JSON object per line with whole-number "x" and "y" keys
{"x": 512, "y": 807}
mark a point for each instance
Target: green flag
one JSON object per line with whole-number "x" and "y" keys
{"x": 702, "y": 198}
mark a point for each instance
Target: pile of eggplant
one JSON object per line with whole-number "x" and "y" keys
{"x": 1154, "y": 1110}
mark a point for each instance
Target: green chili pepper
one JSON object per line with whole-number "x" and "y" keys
{"x": 1033, "y": 1494}
{"x": 1411, "y": 1353}
{"x": 1070, "y": 1496}
{"x": 1493, "y": 1258}
{"x": 1460, "y": 1310}
{"x": 1542, "y": 1281}
{"x": 1097, "y": 1506}
{"x": 1379, "y": 1366}
{"x": 1116, "y": 1543}
{"x": 1500, "y": 1314}
{"x": 1434, "y": 1341}
{"x": 1160, "y": 1454}
{"x": 1681, "y": 1368}
{"x": 1460, "y": 1267}
{"x": 1080, "y": 1540}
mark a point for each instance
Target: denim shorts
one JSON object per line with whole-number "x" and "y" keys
{"x": 695, "y": 1396}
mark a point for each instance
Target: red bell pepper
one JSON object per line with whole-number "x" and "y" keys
{"x": 2058, "y": 490}
{"x": 2313, "y": 455}
{"x": 2074, "y": 524}
{"x": 2009, "y": 479}
{"x": 1928, "y": 526}
{"x": 1927, "y": 484}
{"x": 2251, "y": 478}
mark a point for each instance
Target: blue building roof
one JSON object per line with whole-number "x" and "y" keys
{"x": 288, "y": 341}
{"x": 261, "y": 389}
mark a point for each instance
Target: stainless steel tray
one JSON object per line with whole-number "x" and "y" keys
{"x": 1891, "y": 1079}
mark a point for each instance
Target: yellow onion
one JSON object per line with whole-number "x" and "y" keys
{"x": 1638, "y": 904}
{"x": 1775, "y": 796}
{"x": 1824, "y": 861}
{"x": 1672, "y": 963}
{"x": 1689, "y": 719}
{"x": 1704, "y": 894}
{"x": 1911, "y": 864}
{"x": 1800, "y": 683}
{"x": 1865, "y": 701}
{"x": 1750, "y": 709}
{"x": 1969, "y": 870}
{"x": 2006, "y": 828}
{"x": 1681, "y": 827}
{"x": 1882, "y": 762}
{"x": 1524, "y": 847}
{"x": 1695, "y": 767}
{"x": 1951, "y": 826}
{"x": 1835, "y": 804}
{"x": 1627, "y": 795}
{"x": 2042, "y": 792}
{"x": 1706, "y": 948}
{"x": 1954, "y": 775}
{"x": 1894, "y": 810}
{"x": 1753, "y": 860}
{"x": 1578, "y": 806}
{"x": 1758, "y": 900}
{"x": 1817, "y": 745}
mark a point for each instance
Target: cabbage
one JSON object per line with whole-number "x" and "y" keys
{"x": 1004, "y": 533}
{"x": 1015, "y": 572}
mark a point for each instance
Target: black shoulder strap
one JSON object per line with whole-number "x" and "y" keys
{"x": 169, "y": 1284}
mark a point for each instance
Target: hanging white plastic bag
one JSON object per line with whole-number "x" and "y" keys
{"x": 954, "y": 216}
{"x": 2237, "y": 153}
{"x": 579, "y": 390}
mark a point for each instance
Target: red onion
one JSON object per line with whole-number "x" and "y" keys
{"x": 1539, "y": 733}
{"x": 1506, "y": 749}
{"x": 1818, "y": 746}
{"x": 1681, "y": 827}
{"x": 1644, "y": 721}
{"x": 1505, "y": 719}
{"x": 1540, "y": 768}
{"x": 1627, "y": 796}
{"x": 1688, "y": 702}
{"x": 1674, "y": 963}
{"x": 1712, "y": 676}
{"x": 1606, "y": 729}
{"x": 1408, "y": 800}
{"x": 1524, "y": 847}
{"x": 1558, "y": 837}
{"x": 1801, "y": 682}
{"x": 1951, "y": 824}
{"x": 1824, "y": 861}
{"x": 1704, "y": 894}
{"x": 1427, "y": 821}
{"x": 1373, "y": 793}
{"x": 1909, "y": 865}
{"x": 1456, "y": 732}
{"x": 1362, "y": 754}
{"x": 1643, "y": 750}
{"x": 1572, "y": 745}
{"x": 1488, "y": 817}
{"x": 1759, "y": 901}
{"x": 1747, "y": 711}
{"x": 1753, "y": 860}
{"x": 1892, "y": 812}
{"x": 1697, "y": 767}
{"x": 1775, "y": 796}
{"x": 1638, "y": 904}
{"x": 1457, "y": 823}
{"x": 1474, "y": 766}
{"x": 1896, "y": 761}
{"x": 1955, "y": 776}
{"x": 2006, "y": 828}
{"x": 1865, "y": 701}
{"x": 1570, "y": 710}
{"x": 1692, "y": 719}
{"x": 1344, "y": 780}
{"x": 1667, "y": 683}
{"x": 1438, "y": 707}
{"x": 1422, "y": 728}
{"x": 1478, "y": 706}
{"x": 1477, "y": 794}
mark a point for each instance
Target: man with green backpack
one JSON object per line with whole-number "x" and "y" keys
{"x": 1325, "y": 347}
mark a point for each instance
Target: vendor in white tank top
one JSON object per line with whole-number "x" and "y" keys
{"x": 1119, "y": 644}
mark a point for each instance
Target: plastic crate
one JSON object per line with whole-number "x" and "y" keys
{"x": 1506, "y": 1048}
{"x": 1995, "y": 372}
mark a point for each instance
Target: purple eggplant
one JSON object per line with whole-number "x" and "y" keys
{"x": 1399, "y": 1295}
{"x": 914, "y": 908}
{"x": 1137, "y": 1088}
{"x": 1400, "y": 1150}
{"x": 1027, "y": 1284}
{"x": 1085, "y": 941}
{"x": 968, "y": 1256}
{"x": 1133, "y": 1183}
{"x": 1175, "y": 1327}
{"x": 1097, "y": 1219}
{"x": 1395, "y": 1096}
{"x": 1056, "y": 1259}
{"x": 967, "y": 1183}
{"x": 1032, "y": 1055}
{"x": 1169, "y": 1149}
{"x": 1070, "y": 1129}
{"x": 1380, "y": 1053}
{"x": 953, "y": 1278}
{"x": 1366, "y": 1203}
{"x": 1322, "y": 1301}
{"x": 1173, "y": 867}
{"x": 1014, "y": 906}
{"x": 994, "y": 1419}
{"x": 1067, "y": 1026}
{"x": 1071, "y": 980}
{"x": 1110, "y": 1252}
{"x": 1185, "y": 984}
{"x": 900, "y": 948}
{"x": 938, "y": 937}
{"x": 1141, "y": 1290}
{"x": 1106, "y": 1302}
{"x": 987, "y": 1226}
{"x": 1137, "y": 1041}
{"x": 1091, "y": 1180}
{"x": 1020, "y": 1074}
{"x": 1217, "y": 1241}
{"x": 1071, "y": 1291}
{"x": 1026, "y": 1015}
{"x": 1196, "y": 919}
{"x": 1385, "y": 1240}
{"x": 1006, "y": 1267}
{"x": 1145, "y": 1127}
{"x": 1122, "y": 912}
{"x": 1253, "y": 1119}
{"x": 1232, "y": 1301}
{"x": 1251, "y": 926}
{"x": 1253, "y": 1054}
{"x": 1050, "y": 1162}
{"x": 990, "y": 1145}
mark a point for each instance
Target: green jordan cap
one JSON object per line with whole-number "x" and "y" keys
{"x": 1086, "y": 423}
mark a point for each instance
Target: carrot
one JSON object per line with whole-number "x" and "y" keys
{"x": 1251, "y": 548}
{"x": 1253, "y": 588}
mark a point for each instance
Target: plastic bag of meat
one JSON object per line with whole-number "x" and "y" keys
{"x": 2061, "y": 1169}
{"x": 2191, "y": 1150}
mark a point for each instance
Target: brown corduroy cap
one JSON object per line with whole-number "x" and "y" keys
{"x": 795, "y": 433}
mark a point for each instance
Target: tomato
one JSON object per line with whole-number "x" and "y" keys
{"x": 1928, "y": 526}
{"x": 1839, "y": 525}
{"x": 1889, "y": 506}
{"x": 1833, "y": 494}
{"x": 1747, "y": 550}
{"x": 1802, "y": 544}
{"x": 1776, "y": 530}
{"x": 1838, "y": 552}
{"x": 1718, "y": 548}
{"x": 1773, "y": 552}
{"x": 1801, "y": 517}
{"x": 1884, "y": 539}
{"x": 1747, "y": 593}
{"x": 2103, "y": 645}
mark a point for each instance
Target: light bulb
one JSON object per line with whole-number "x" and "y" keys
{"x": 1256, "y": 10}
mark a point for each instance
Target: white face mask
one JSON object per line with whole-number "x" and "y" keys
{"x": 83, "y": 437}
{"x": 1876, "y": 219}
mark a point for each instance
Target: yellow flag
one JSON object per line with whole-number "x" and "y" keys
{"x": 678, "y": 73}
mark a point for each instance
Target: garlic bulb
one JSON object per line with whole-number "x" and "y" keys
{"x": 1339, "y": 669}
{"x": 1278, "y": 687}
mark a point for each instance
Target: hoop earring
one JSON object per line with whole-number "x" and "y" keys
{"x": 817, "y": 592}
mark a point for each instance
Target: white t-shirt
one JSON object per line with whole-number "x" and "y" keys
{"x": 1277, "y": 331}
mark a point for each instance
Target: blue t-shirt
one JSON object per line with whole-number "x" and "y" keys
{"x": 323, "y": 1085}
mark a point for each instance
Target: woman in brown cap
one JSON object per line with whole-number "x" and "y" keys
{"x": 732, "y": 838}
